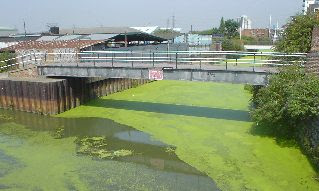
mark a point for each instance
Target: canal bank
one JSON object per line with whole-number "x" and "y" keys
{"x": 49, "y": 96}
{"x": 209, "y": 125}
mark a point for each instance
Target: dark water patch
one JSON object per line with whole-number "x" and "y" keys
{"x": 151, "y": 157}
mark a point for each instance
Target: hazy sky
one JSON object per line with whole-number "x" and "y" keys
{"x": 201, "y": 14}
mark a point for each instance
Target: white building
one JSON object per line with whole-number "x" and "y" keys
{"x": 307, "y": 3}
{"x": 245, "y": 22}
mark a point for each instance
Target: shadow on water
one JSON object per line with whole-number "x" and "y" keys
{"x": 149, "y": 152}
{"x": 282, "y": 138}
{"x": 193, "y": 111}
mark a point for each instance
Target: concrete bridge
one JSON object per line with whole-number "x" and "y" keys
{"x": 215, "y": 66}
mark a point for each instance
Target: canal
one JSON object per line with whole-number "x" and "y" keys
{"x": 167, "y": 135}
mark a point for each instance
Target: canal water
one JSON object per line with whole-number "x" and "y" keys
{"x": 42, "y": 153}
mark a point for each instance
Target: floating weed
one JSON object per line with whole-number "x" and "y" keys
{"x": 122, "y": 153}
{"x": 170, "y": 150}
{"x": 96, "y": 147}
{"x": 5, "y": 117}
{"x": 59, "y": 133}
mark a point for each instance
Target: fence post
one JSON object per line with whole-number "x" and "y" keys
{"x": 112, "y": 60}
{"x": 93, "y": 59}
{"x": 132, "y": 59}
{"x": 200, "y": 60}
{"x": 153, "y": 59}
{"x": 226, "y": 63}
{"x": 254, "y": 62}
{"x": 176, "y": 59}
{"x": 150, "y": 56}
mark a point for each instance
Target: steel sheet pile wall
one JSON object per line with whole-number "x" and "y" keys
{"x": 53, "y": 96}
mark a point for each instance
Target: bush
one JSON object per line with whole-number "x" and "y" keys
{"x": 232, "y": 45}
{"x": 5, "y": 56}
{"x": 298, "y": 34}
{"x": 290, "y": 98}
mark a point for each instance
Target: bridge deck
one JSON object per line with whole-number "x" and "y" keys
{"x": 163, "y": 71}
{"x": 194, "y": 66}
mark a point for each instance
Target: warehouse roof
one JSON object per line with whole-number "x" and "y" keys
{"x": 98, "y": 30}
{"x": 137, "y": 36}
{"x": 46, "y": 45}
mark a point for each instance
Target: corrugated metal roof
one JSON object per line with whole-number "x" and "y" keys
{"x": 48, "y": 38}
{"x": 69, "y": 37}
{"x": 98, "y": 30}
{"x": 98, "y": 37}
{"x": 47, "y": 45}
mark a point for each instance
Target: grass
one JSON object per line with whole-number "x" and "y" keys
{"x": 209, "y": 124}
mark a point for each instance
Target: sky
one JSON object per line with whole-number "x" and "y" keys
{"x": 202, "y": 14}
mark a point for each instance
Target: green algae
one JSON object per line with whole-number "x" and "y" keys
{"x": 34, "y": 160}
{"x": 5, "y": 117}
{"x": 97, "y": 147}
{"x": 215, "y": 138}
{"x": 59, "y": 133}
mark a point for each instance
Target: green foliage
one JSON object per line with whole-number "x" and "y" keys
{"x": 298, "y": 34}
{"x": 208, "y": 32}
{"x": 232, "y": 45}
{"x": 256, "y": 41}
{"x": 228, "y": 28}
{"x": 6, "y": 56}
{"x": 231, "y": 28}
{"x": 291, "y": 97}
{"x": 222, "y": 26}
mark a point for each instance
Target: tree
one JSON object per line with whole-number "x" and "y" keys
{"x": 208, "y": 32}
{"x": 298, "y": 34}
{"x": 231, "y": 28}
{"x": 222, "y": 26}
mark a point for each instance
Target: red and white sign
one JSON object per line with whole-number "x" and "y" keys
{"x": 156, "y": 75}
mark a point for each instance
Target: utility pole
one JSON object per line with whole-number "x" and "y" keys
{"x": 191, "y": 28}
{"x": 24, "y": 27}
{"x": 173, "y": 20}
{"x": 270, "y": 22}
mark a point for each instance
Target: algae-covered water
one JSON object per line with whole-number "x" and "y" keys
{"x": 41, "y": 153}
{"x": 210, "y": 127}
{"x": 167, "y": 135}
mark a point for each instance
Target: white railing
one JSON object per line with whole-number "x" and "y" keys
{"x": 151, "y": 59}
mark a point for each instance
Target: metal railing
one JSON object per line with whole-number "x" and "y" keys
{"x": 173, "y": 59}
